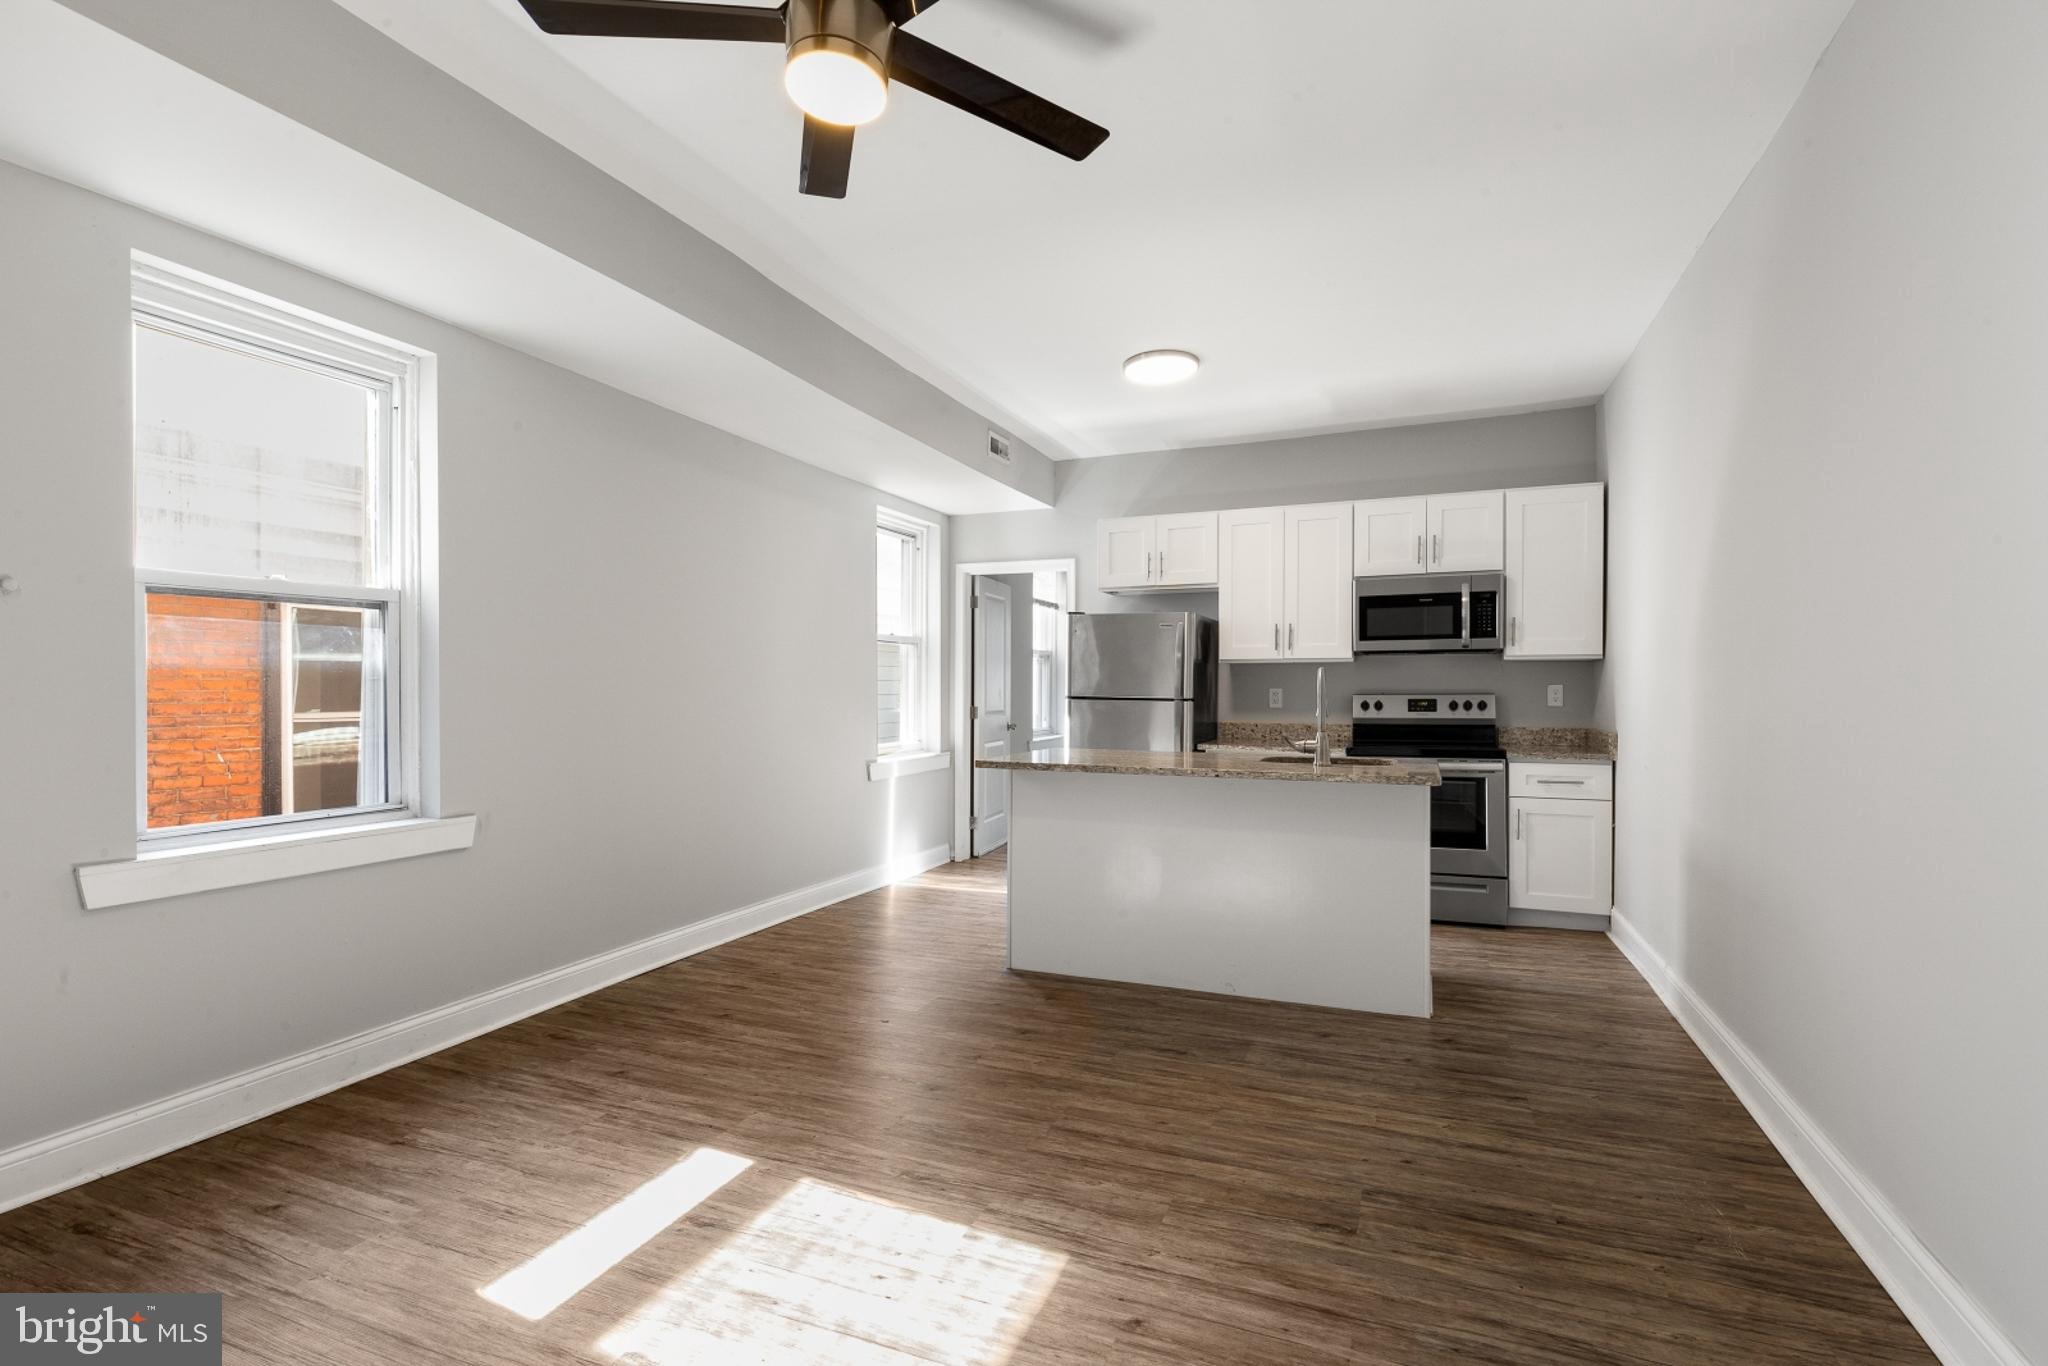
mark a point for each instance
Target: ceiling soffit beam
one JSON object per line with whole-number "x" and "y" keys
{"x": 318, "y": 65}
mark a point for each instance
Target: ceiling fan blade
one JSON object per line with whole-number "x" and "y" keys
{"x": 985, "y": 95}
{"x": 828, "y": 159}
{"x": 659, "y": 19}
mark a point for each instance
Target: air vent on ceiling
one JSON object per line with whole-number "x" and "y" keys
{"x": 999, "y": 447}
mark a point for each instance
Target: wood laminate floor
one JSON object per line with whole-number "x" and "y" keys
{"x": 947, "y": 1162}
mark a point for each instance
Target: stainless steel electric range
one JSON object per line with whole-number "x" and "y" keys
{"x": 1468, "y": 815}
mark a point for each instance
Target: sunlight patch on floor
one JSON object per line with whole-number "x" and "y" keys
{"x": 541, "y": 1285}
{"x": 825, "y": 1275}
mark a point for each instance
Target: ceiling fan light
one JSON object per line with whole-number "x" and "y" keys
{"x": 836, "y": 80}
{"x": 1155, "y": 368}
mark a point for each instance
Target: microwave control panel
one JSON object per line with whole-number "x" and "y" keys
{"x": 1485, "y": 621}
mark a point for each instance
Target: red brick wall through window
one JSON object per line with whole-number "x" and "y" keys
{"x": 208, "y": 716}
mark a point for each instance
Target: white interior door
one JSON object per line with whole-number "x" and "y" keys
{"x": 993, "y": 725}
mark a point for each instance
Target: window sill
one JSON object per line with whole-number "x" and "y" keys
{"x": 210, "y": 868}
{"x": 890, "y": 767}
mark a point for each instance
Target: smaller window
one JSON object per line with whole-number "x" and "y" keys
{"x": 906, "y": 657}
{"x": 1048, "y": 654}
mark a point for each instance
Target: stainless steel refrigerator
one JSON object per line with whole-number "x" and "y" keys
{"x": 1141, "y": 680}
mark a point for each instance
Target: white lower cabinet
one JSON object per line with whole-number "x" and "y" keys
{"x": 1560, "y": 850}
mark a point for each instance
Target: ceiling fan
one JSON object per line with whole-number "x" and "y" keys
{"x": 842, "y": 54}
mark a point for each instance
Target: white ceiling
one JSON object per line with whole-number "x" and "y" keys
{"x": 1358, "y": 211}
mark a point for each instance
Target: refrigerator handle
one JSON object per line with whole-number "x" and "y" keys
{"x": 1184, "y": 669}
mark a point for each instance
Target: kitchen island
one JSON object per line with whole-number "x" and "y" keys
{"x": 1240, "y": 872}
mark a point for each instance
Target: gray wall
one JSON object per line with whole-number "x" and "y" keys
{"x": 657, "y": 692}
{"x": 1828, "y": 485}
{"x": 1441, "y": 457}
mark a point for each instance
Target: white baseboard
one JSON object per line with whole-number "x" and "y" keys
{"x": 1955, "y": 1325}
{"x": 48, "y": 1165}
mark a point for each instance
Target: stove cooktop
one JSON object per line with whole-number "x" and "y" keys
{"x": 1425, "y": 726}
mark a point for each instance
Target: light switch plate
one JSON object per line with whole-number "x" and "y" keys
{"x": 1557, "y": 694}
{"x": 1273, "y": 698}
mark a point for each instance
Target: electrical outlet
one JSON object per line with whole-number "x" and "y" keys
{"x": 1273, "y": 699}
{"x": 1557, "y": 694}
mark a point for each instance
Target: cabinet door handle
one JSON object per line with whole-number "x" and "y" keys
{"x": 1148, "y": 566}
{"x": 1562, "y": 782}
{"x": 1436, "y": 548}
{"x": 1276, "y": 637}
{"x": 1518, "y": 824}
{"x": 1290, "y": 637}
{"x": 1418, "y": 547}
{"x": 1511, "y": 630}
{"x": 1162, "y": 564}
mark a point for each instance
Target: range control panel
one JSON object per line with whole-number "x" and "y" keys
{"x": 1461, "y": 706}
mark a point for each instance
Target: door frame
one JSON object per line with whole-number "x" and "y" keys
{"x": 962, "y": 689}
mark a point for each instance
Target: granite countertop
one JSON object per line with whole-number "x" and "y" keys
{"x": 1557, "y": 745}
{"x": 1227, "y": 763}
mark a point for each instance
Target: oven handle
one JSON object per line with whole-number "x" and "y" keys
{"x": 1471, "y": 766}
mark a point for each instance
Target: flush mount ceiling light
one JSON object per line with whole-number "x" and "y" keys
{"x": 1154, "y": 368}
{"x": 841, "y": 56}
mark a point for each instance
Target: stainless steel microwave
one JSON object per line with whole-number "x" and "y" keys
{"x": 1428, "y": 613}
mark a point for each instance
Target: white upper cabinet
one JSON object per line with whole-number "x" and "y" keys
{"x": 1445, "y": 533}
{"x": 1251, "y": 569}
{"x": 1187, "y": 549}
{"x": 1466, "y": 533}
{"x": 1556, "y": 572}
{"x": 1319, "y": 602}
{"x": 1124, "y": 551}
{"x": 1391, "y": 536}
{"x": 1176, "y": 551}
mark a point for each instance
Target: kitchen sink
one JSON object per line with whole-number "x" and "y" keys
{"x": 1310, "y": 758}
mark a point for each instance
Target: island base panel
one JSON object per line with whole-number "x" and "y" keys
{"x": 1316, "y": 893}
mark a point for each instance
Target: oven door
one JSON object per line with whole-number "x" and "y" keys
{"x": 1468, "y": 819}
{"x": 1426, "y": 613}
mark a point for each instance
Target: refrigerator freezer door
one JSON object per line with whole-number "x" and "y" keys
{"x": 1124, "y": 725}
{"x": 1134, "y": 654}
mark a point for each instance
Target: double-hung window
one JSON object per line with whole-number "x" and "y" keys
{"x": 1048, "y": 654}
{"x": 906, "y": 655}
{"x": 278, "y": 565}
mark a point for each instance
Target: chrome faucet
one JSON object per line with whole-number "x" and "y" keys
{"x": 1322, "y": 732}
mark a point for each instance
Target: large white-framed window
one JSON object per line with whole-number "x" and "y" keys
{"x": 1048, "y": 654}
{"x": 279, "y": 488}
{"x": 907, "y": 587}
